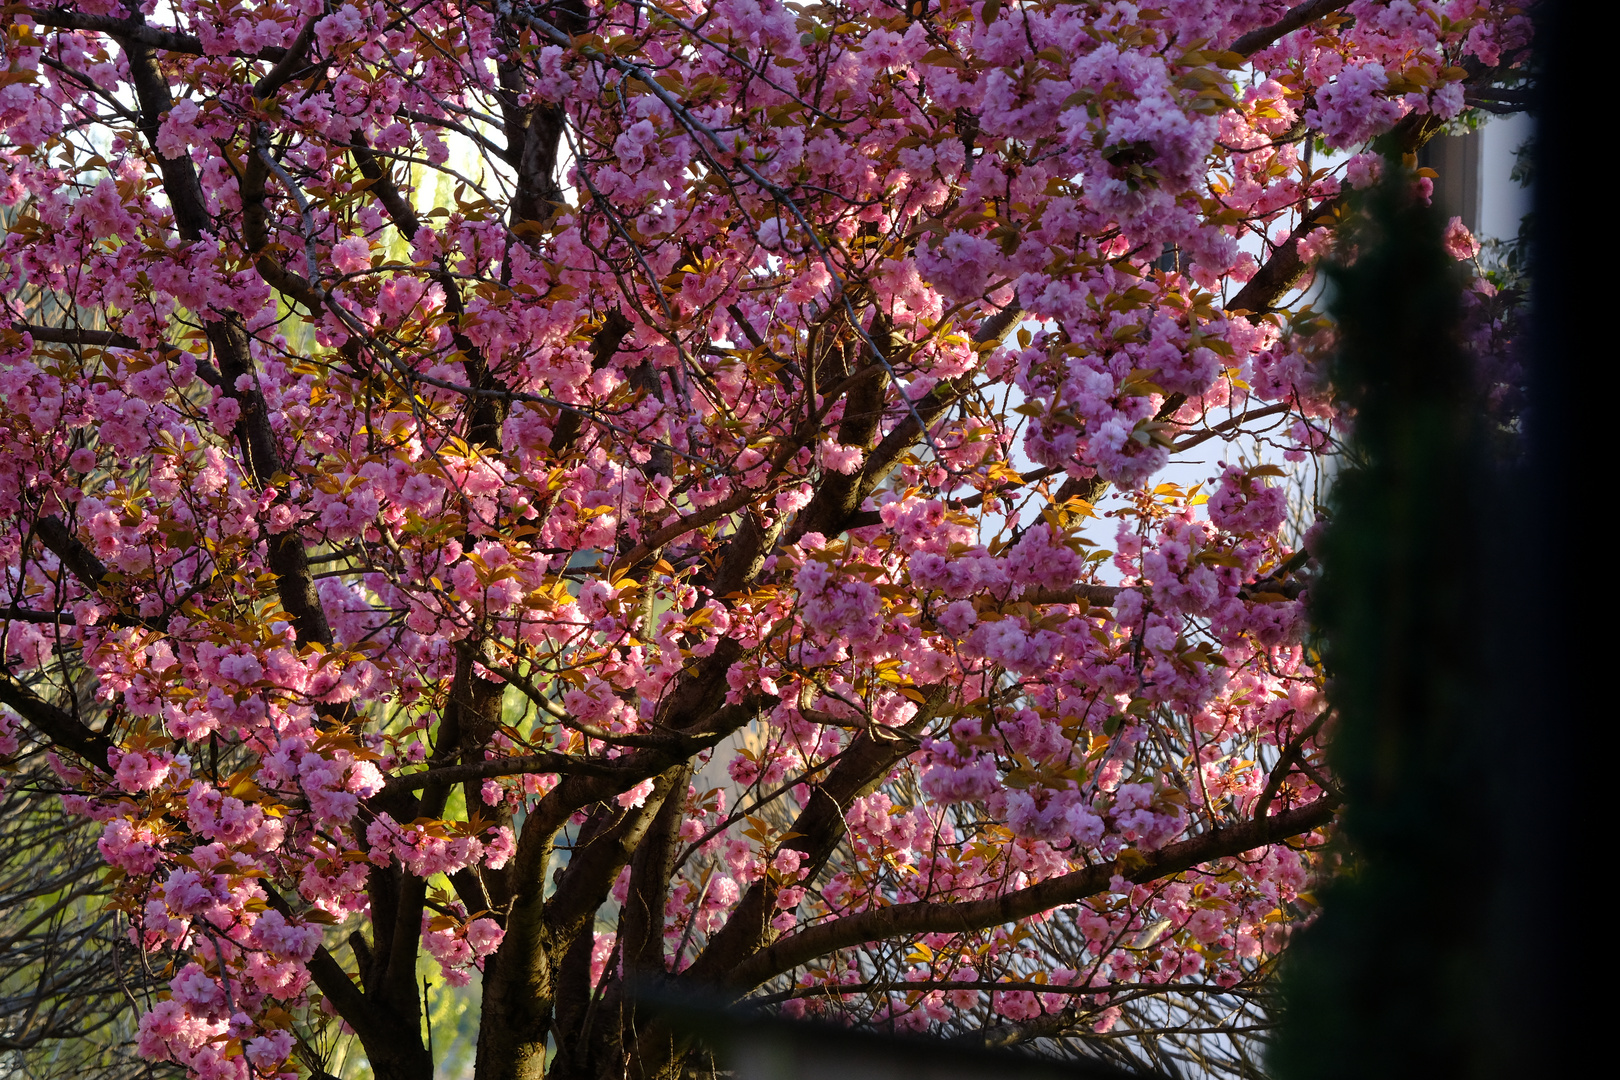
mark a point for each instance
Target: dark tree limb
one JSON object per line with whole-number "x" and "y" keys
{"x": 819, "y": 827}
{"x": 228, "y": 335}
{"x": 137, "y": 32}
{"x": 1280, "y": 273}
{"x": 924, "y": 917}
{"x": 1296, "y": 17}
{"x": 61, "y": 728}
{"x": 73, "y": 552}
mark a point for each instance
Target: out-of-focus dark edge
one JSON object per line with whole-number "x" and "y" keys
{"x": 1553, "y": 770}
{"x": 729, "y": 1032}
{"x": 1449, "y": 946}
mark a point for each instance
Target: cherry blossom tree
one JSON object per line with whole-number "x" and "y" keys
{"x": 619, "y": 497}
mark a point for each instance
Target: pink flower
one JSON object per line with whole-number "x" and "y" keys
{"x": 1460, "y": 243}
{"x": 351, "y": 254}
{"x": 136, "y": 771}
{"x": 636, "y": 795}
{"x": 500, "y": 849}
{"x": 840, "y": 458}
{"x": 178, "y": 130}
{"x": 268, "y": 1052}
{"x": 484, "y": 935}
{"x": 1205, "y": 925}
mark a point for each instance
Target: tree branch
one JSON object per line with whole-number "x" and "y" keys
{"x": 295, "y": 586}
{"x": 383, "y": 187}
{"x": 74, "y": 554}
{"x": 61, "y": 728}
{"x": 1095, "y": 595}
{"x": 137, "y": 31}
{"x": 106, "y": 339}
{"x": 1285, "y": 269}
{"x": 1289, "y": 755}
{"x": 54, "y": 335}
{"x": 819, "y": 828}
{"x": 900, "y": 986}
{"x": 604, "y": 344}
{"x": 924, "y": 917}
{"x": 1190, "y": 441}
{"x": 287, "y": 67}
{"x": 562, "y": 764}
{"x": 1296, "y": 17}
{"x": 381, "y": 1039}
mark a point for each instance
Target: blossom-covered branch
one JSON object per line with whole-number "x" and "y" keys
{"x": 607, "y": 495}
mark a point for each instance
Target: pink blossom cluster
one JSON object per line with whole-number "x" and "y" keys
{"x": 387, "y": 496}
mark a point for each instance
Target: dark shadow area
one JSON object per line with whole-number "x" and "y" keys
{"x": 1445, "y": 623}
